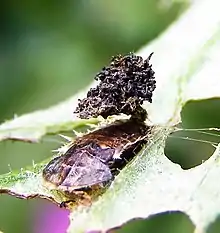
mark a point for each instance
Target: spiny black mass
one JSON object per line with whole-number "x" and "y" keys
{"x": 124, "y": 85}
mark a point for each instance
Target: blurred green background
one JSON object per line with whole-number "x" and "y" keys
{"x": 51, "y": 49}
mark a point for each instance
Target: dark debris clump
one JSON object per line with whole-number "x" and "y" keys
{"x": 124, "y": 85}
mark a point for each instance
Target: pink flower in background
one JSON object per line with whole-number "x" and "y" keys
{"x": 51, "y": 219}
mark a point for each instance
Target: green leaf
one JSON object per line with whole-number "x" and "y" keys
{"x": 186, "y": 61}
{"x": 33, "y": 126}
{"x": 28, "y": 183}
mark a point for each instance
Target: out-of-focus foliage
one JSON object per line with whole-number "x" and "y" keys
{"x": 51, "y": 49}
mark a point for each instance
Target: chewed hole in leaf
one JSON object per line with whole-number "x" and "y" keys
{"x": 189, "y": 149}
{"x": 195, "y": 142}
{"x": 201, "y": 113}
{"x": 175, "y": 221}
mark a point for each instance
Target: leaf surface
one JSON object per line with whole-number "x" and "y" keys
{"x": 186, "y": 61}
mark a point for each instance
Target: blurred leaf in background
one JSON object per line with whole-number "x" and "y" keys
{"x": 51, "y": 49}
